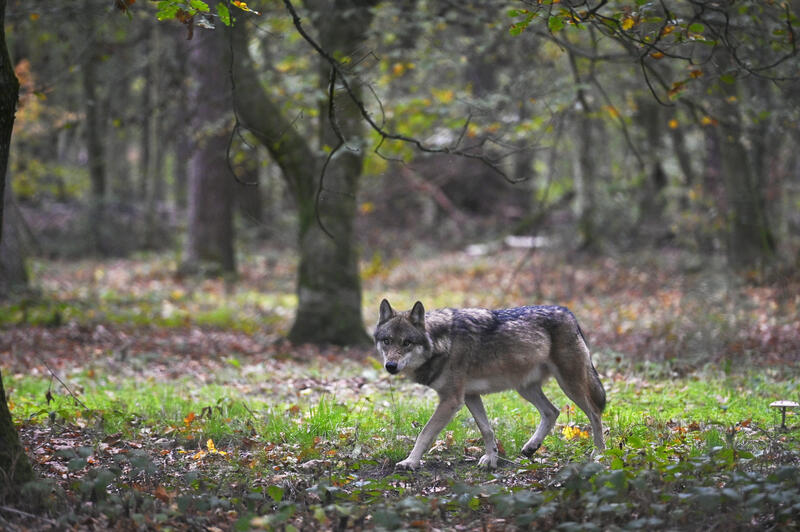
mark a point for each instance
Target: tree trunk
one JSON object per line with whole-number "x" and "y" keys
{"x": 651, "y": 224}
{"x": 750, "y": 240}
{"x": 146, "y": 115}
{"x": 585, "y": 167}
{"x": 154, "y": 236}
{"x": 179, "y": 130}
{"x": 209, "y": 243}
{"x": 328, "y": 281}
{"x": 183, "y": 150}
{"x": 94, "y": 146}
{"x": 15, "y": 469}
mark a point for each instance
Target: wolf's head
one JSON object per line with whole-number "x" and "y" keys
{"x": 401, "y": 338}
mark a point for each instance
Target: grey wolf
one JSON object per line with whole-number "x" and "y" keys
{"x": 464, "y": 353}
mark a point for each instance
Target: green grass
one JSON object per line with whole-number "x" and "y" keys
{"x": 698, "y": 410}
{"x": 672, "y": 438}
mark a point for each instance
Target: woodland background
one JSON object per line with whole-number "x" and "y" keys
{"x": 191, "y": 184}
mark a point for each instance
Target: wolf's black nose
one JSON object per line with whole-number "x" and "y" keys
{"x": 391, "y": 367}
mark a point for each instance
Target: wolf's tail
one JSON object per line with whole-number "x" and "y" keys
{"x": 596, "y": 390}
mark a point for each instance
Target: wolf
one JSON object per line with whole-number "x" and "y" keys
{"x": 464, "y": 353}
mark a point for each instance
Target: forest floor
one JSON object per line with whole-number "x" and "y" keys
{"x": 151, "y": 401}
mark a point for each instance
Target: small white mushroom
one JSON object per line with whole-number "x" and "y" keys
{"x": 783, "y": 405}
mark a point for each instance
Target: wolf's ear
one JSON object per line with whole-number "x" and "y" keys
{"x": 417, "y": 314}
{"x": 386, "y": 311}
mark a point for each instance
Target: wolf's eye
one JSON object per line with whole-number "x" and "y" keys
{"x": 387, "y": 341}
{"x": 406, "y": 343}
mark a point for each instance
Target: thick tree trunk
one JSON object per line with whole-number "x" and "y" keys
{"x": 650, "y": 224}
{"x": 248, "y": 197}
{"x": 15, "y": 469}
{"x": 328, "y": 281}
{"x": 750, "y": 240}
{"x": 209, "y": 243}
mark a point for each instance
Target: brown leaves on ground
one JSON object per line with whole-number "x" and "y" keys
{"x": 143, "y": 351}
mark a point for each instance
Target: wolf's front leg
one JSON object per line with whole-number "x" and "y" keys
{"x": 444, "y": 412}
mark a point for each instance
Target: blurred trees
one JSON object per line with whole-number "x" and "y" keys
{"x": 600, "y": 125}
{"x": 717, "y": 65}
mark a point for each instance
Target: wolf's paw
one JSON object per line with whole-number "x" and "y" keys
{"x": 489, "y": 461}
{"x": 529, "y": 451}
{"x": 407, "y": 465}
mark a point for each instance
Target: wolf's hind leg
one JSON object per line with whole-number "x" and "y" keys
{"x": 578, "y": 391}
{"x": 549, "y": 413}
{"x": 475, "y": 406}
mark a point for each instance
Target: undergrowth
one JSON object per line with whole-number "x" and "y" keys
{"x": 153, "y": 402}
{"x": 321, "y": 453}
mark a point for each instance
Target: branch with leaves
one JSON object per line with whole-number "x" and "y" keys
{"x": 760, "y": 37}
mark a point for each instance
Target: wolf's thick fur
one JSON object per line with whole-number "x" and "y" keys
{"x": 464, "y": 353}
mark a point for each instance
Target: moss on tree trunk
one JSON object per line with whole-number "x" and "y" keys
{"x": 15, "y": 469}
{"x": 328, "y": 282}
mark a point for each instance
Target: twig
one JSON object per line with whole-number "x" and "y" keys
{"x": 26, "y": 514}
{"x": 340, "y": 137}
{"x": 249, "y": 411}
{"x": 54, "y": 374}
{"x": 237, "y": 124}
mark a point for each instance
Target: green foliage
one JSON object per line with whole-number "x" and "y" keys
{"x": 37, "y": 179}
{"x": 223, "y": 13}
{"x": 184, "y": 10}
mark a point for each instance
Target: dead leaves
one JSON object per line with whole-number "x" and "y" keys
{"x": 210, "y": 450}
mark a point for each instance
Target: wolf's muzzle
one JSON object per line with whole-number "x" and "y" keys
{"x": 391, "y": 367}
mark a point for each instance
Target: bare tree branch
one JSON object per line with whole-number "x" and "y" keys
{"x": 338, "y": 132}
